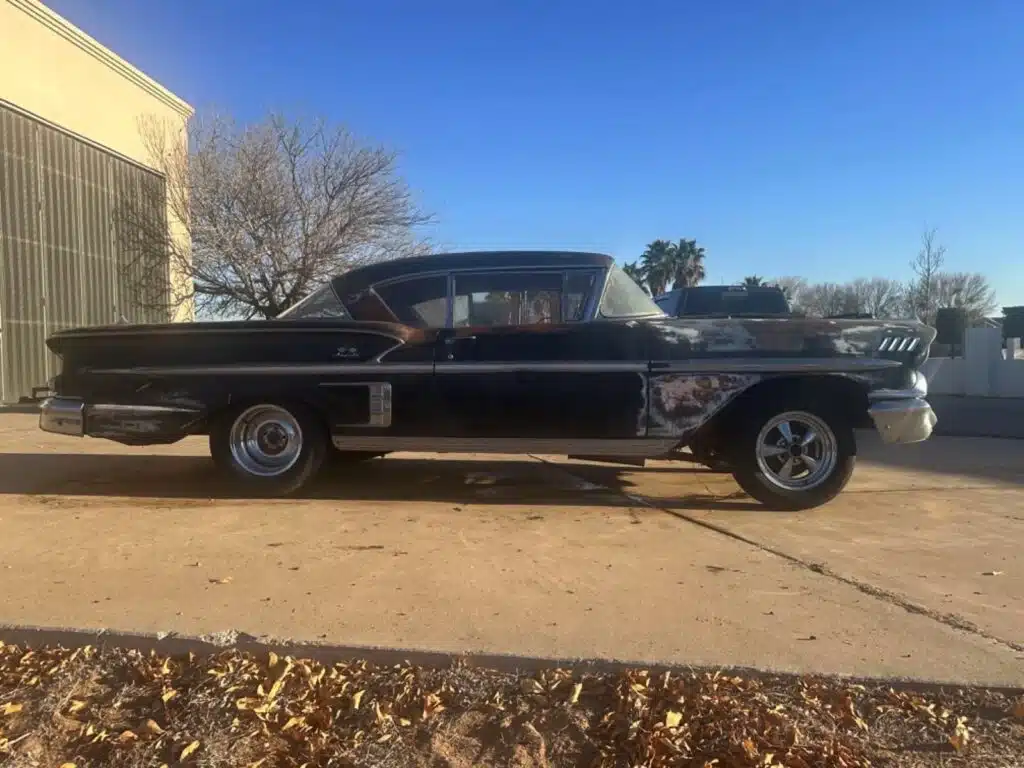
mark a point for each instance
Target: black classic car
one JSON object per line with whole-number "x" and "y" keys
{"x": 503, "y": 352}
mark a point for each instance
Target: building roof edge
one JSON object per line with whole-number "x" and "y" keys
{"x": 61, "y": 26}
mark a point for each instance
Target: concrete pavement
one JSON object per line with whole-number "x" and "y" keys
{"x": 531, "y": 557}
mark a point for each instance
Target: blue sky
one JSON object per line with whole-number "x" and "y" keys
{"x": 812, "y": 137}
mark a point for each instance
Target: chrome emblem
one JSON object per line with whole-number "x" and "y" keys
{"x": 347, "y": 353}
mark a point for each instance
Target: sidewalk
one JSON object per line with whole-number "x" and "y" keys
{"x": 979, "y": 416}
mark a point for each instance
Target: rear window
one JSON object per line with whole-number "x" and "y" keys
{"x": 668, "y": 303}
{"x": 716, "y": 301}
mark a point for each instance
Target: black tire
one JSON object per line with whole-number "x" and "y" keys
{"x": 769, "y": 488}
{"x": 311, "y": 449}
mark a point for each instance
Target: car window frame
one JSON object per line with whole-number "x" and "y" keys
{"x": 589, "y": 310}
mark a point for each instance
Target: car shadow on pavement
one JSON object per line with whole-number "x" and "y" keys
{"x": 986, "y": 459}
{"x": 497, "y": 482}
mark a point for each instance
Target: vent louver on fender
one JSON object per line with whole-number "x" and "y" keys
{"x": 899, "y": 344}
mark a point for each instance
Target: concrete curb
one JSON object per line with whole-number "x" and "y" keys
{"x": 172, "y": 644}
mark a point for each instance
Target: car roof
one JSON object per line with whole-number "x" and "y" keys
{"x": 363, "y": 277}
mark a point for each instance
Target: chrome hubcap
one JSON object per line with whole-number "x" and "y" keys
{"x": 265, "y": 440}
{"x": 796, "y": 451}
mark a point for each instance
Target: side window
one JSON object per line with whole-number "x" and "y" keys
{"x": 321, "y": 304}
{"x": 421, "y": 302}
{"x": 579, "y": 287}
{"x": 507, "y": 298}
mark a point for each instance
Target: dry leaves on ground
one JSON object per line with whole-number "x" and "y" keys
{"x": 115, "y": 707}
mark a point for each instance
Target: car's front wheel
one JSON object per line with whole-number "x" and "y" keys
{"x": 793, "y": 456}
{"x": 271, "y": 448}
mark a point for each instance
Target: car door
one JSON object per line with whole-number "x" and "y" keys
{"x": 521, "y": 361}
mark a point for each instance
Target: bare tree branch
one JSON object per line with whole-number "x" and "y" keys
{"x": 879, "y": 296}
{"x": 926, "y": 265}
{"x": 965, "y": 290}
{"x": 269, "y": 210}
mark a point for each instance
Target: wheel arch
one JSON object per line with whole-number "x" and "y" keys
{"x": 245, "y": 396}
{"x": 842, "y": 395}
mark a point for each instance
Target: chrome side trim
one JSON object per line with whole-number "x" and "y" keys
{"x": 540, "y": 367}
{"x": 139, "y": 410}
{"x": 774, "y": 365}
{"x": 712, "y": 365}
{"x": 62, "y": 416}
{"x": 646, "y": 448}
{"x": 310, "y": 369}
{"x": 380, "y": 402}
{"x": 131, "y": 331}
{"x": 903, "y": 421}
{"x": 387, "y": 351}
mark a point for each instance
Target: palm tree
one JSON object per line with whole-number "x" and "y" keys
{"x": 656, "y": 264}
{"x": 687, "y": 264}
{"x": 753, "y": 281}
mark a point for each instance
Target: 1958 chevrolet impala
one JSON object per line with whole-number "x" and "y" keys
{"x": 505, "y": 352}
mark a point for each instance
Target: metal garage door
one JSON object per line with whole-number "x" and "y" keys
{"x": 59, "y": 264}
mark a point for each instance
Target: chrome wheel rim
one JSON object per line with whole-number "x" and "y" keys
{"x": 796, "y": 451}
{"x": 265, "y": 440}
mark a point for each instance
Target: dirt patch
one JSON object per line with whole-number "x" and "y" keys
{"x": 116, "y": 707}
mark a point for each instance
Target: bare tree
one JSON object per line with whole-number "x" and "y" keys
{"x": 878, "y": 296}
{"x": 792, "y": 287}
{"x": 920, "y": 296}
{"x": 269, "y": 211}
{"x": 964, "y": 290}
{"x": 825, "y": 299}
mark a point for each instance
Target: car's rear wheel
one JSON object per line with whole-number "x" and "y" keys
{"x": 270, "y": 448}
{"x": 794, "y": 456}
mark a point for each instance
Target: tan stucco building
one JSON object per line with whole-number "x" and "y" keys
{"x": 70, "y": 147}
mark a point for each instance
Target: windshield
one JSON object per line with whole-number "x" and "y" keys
{"x": 322, "y": 303}
{"x": 624, "y": 298}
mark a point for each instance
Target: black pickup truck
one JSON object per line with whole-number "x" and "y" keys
{"x": 725, "y": 301}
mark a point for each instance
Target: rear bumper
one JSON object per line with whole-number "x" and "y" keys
{"x": 124, "y": 422}
{"x": 62, "y": 416}
{"x": 903, "y": 420}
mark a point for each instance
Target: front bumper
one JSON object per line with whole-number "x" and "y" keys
{"x": 903, "y": 415}
{"x": 904, "y": 420}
